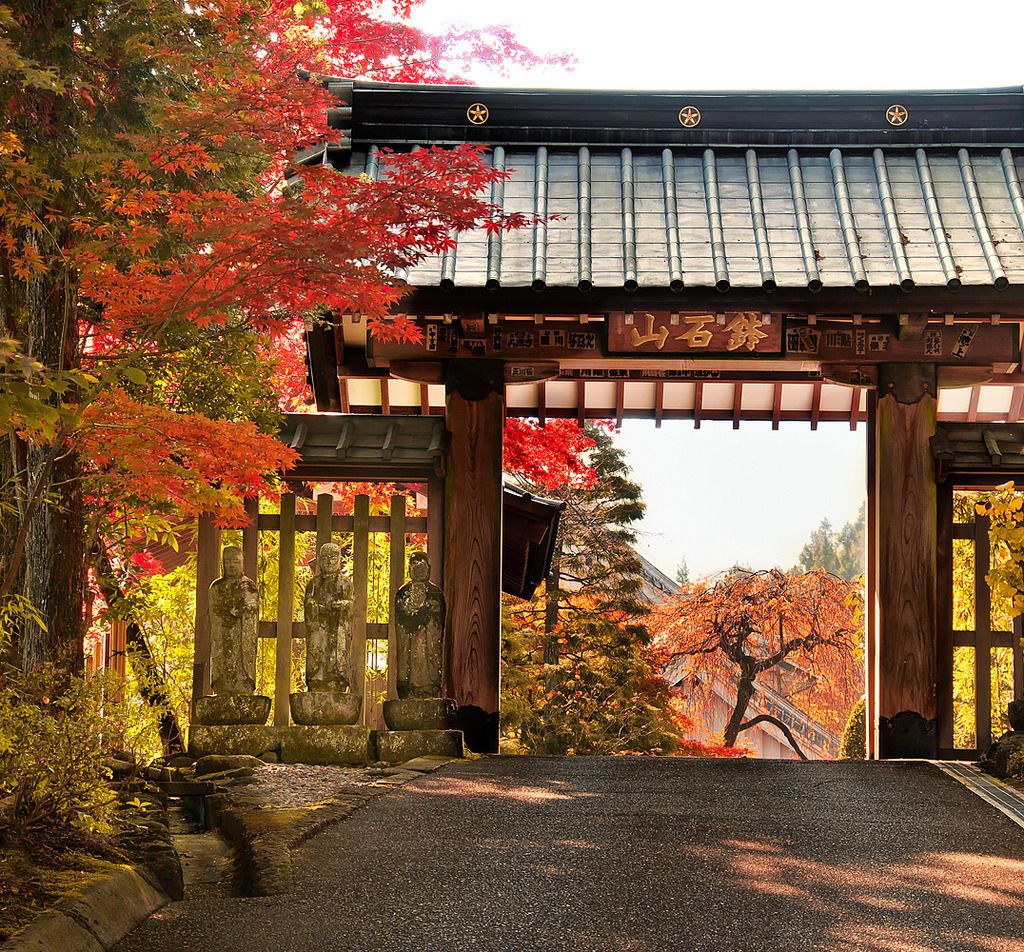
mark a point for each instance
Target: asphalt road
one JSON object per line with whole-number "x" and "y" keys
{"x": 640, "y": 854}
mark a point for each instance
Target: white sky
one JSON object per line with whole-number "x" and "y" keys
{"x": 716, "y": 495}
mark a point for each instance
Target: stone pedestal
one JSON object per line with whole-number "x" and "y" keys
{"x": 336, "y": 744}
{"x": 325, "y": 707}
{"x": 396, "y": 747}
{"x": 251, "y": 739}
{"x": 225, "y": 709}
{"x": 420, "y": 714}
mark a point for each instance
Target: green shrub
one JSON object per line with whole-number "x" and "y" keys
{"x": 52, "y": 774}
{"x": 852, "y": 745}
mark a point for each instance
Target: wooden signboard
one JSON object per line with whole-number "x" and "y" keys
{"x": 521, "y": 341}
{"x": 702, "y": 334}
{"x": 967, "y": 344}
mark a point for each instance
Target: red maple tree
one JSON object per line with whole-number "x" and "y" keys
{"x": 150, "y": 206}
{"x": 743, "y": 627}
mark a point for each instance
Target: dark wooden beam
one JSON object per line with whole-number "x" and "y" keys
{"x": 737, "y": 404}
{"x": 207, "y": 570}
{"x": 385, "y": 396}
{"x": 776, "y": 405}
{"x": 976, "y": 302}
{"x": 871, "y": 585}
{"x": 816, "y": 405}
{"x": 659, "y": 403}
{"x": 472, "y": 552}
{"x": 620, "y": 402}
{"x": 424, "y": 399}
{"x": 542, "y": 402}
{"x": 944, "y": 616}
{"x": 346, "y": 406}
{"x": 972, "y": 407}
{"x": 855, "y": 399}
{"x": 698, "y": 403}
{"x": 581, "y": 402}
{"x": 906, "y": 553}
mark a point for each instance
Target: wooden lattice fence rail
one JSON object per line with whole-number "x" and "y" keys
{"x": 355, "y": 529}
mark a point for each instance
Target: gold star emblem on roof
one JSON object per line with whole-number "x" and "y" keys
{"x": 896, "y": 114}
{"x": 478, "y": 114}
{"x": 689, "y": 117}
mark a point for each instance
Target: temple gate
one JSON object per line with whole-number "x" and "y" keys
{"x": 851, "y": 257}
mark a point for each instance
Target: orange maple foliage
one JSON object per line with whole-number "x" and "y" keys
{"x": 743, "y": 627}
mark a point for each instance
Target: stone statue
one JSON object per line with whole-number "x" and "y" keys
{"x": 328, "y": 616}
{"x": 1005, "y": 757}
{"x": 234, "y": 624}
{"x": 419, "y": 626}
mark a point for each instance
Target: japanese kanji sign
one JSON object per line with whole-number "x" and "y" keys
{"x": 513, "y": 340}
{"x": 733, "y": 333}
{"x": 876, "y": 343}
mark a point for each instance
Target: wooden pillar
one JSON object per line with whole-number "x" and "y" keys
{"x": 472, "y": 546}
{"x": 905, "y": 561}
{"x": 871, "y": 593}
{"x": 207, "y": 570}
{"x": 285, "y": 611}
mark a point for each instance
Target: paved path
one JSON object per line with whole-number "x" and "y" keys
{"x": 640, "y": 854}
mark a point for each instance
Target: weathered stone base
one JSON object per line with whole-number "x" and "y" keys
{"x": 251, "y": 739}
{"x": 420, "y": 714}
{"x": 325, "y": 707}
{"x": 339, "y": 744}
{"x": 396, "y": 747}
{"x": 232, "y": 709}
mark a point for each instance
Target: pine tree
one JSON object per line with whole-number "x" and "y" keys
{"x": 580, "y": 672}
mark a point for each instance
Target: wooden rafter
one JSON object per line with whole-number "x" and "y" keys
{"x": 776, "y": 405}
{"x": 816, "y": 405}
{"x": 698, "y": 403}
{"x": 620, "y": 402}
{"x": 659, "y": 403}
{"x": 737, "y": 404}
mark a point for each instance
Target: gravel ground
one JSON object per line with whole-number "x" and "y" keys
{"x": 640, "y": 854}
{"x": 296, "y": 785}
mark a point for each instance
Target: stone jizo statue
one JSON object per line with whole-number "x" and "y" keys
{"x": 234, "y": 624}
{"x": 327, "y": 608}
{"x": 419, "y": 626}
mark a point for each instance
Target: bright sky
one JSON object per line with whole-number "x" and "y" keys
{"x": 716, "y": 495}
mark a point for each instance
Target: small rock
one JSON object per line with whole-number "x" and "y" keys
{"x": 270, "y": 757}
{"x": 180, "y": 760}
{"x": 220, "y": 763}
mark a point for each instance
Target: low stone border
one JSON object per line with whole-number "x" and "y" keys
{"x": 1006, "y": 799}
{"x": 263, "y": 849}
{"x": 94, "y": 919}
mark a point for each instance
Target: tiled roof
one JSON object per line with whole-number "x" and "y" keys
{"x": 640, "y": 218}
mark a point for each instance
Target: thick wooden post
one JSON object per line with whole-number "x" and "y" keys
{"x": 475, "y": 415}
{"x": 871, "y": 593}
{"x": 285, "y": 612}
{"x": 905, "y": 558}
{"x": 207, "y": 570}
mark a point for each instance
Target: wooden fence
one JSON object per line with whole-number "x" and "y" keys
{"x": 981, "y": 641}
{"x": 370, "y": 633}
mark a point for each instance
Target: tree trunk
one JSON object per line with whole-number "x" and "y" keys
{"x": 552, "y": 598}
{"x": 54, "y": 579}
{"x": 744, "y": 694}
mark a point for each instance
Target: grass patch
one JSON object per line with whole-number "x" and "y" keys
{"x": 29, "y": 884}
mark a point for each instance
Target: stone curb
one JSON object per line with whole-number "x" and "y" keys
{"x": 264, "y": 861}
{"x": 94, "y": 919}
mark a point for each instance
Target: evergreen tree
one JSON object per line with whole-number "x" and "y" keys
{"x": 683, "y": 572}
{"x": 840, "y": 553}
{"x": 580, "y": 674}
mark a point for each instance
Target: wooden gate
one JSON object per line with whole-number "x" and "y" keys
{"x": 374, "y": 551}
{"x": 975, "y": 634}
